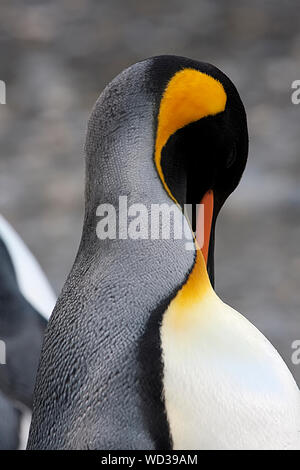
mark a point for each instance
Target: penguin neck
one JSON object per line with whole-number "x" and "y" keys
{"x": 143, "y": 189}
{"x": 127, "y": 177}
{"x": 125, "y": 183}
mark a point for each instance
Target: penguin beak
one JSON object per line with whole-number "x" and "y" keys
{"x": 204, "y": 223}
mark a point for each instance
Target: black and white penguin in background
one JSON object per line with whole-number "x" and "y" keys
{"x": 26, "y": 302}
{"x": 140, "y": 352}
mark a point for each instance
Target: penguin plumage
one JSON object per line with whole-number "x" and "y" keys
{"x": 168, "y": 130}
{"x": 21, "y": 330}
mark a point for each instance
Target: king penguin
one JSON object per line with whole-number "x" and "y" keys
{"x": 26, "y": 301}
{"x": 140, "y": 352}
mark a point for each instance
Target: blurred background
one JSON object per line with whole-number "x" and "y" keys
{"x": 57, "y": 56}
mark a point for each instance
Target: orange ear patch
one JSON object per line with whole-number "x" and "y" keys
{"x": 189, "y": 96}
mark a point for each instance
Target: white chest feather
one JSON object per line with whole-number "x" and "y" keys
{"x": 225, "y": 385}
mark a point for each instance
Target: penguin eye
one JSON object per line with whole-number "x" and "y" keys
{"x": 231, "y": 157}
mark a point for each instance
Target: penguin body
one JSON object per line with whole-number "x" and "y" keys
{"x": 128, "y": 360}
{"x": 97, "y": 387}
{"x": 21, "y": 328}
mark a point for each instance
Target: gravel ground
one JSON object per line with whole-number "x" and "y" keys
{"x": 56, "y": 57}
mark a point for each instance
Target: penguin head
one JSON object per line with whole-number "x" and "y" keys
{"x": 201, "y": 130}
{"x": 171, "y": 117}
{"x": 201, "y": 142}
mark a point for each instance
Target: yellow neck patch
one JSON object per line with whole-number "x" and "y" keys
{"x": 197, "y": 285}
{"x": 189, "y": 96}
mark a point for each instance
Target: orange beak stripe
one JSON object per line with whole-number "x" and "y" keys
{"x": 203, "y": 232}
